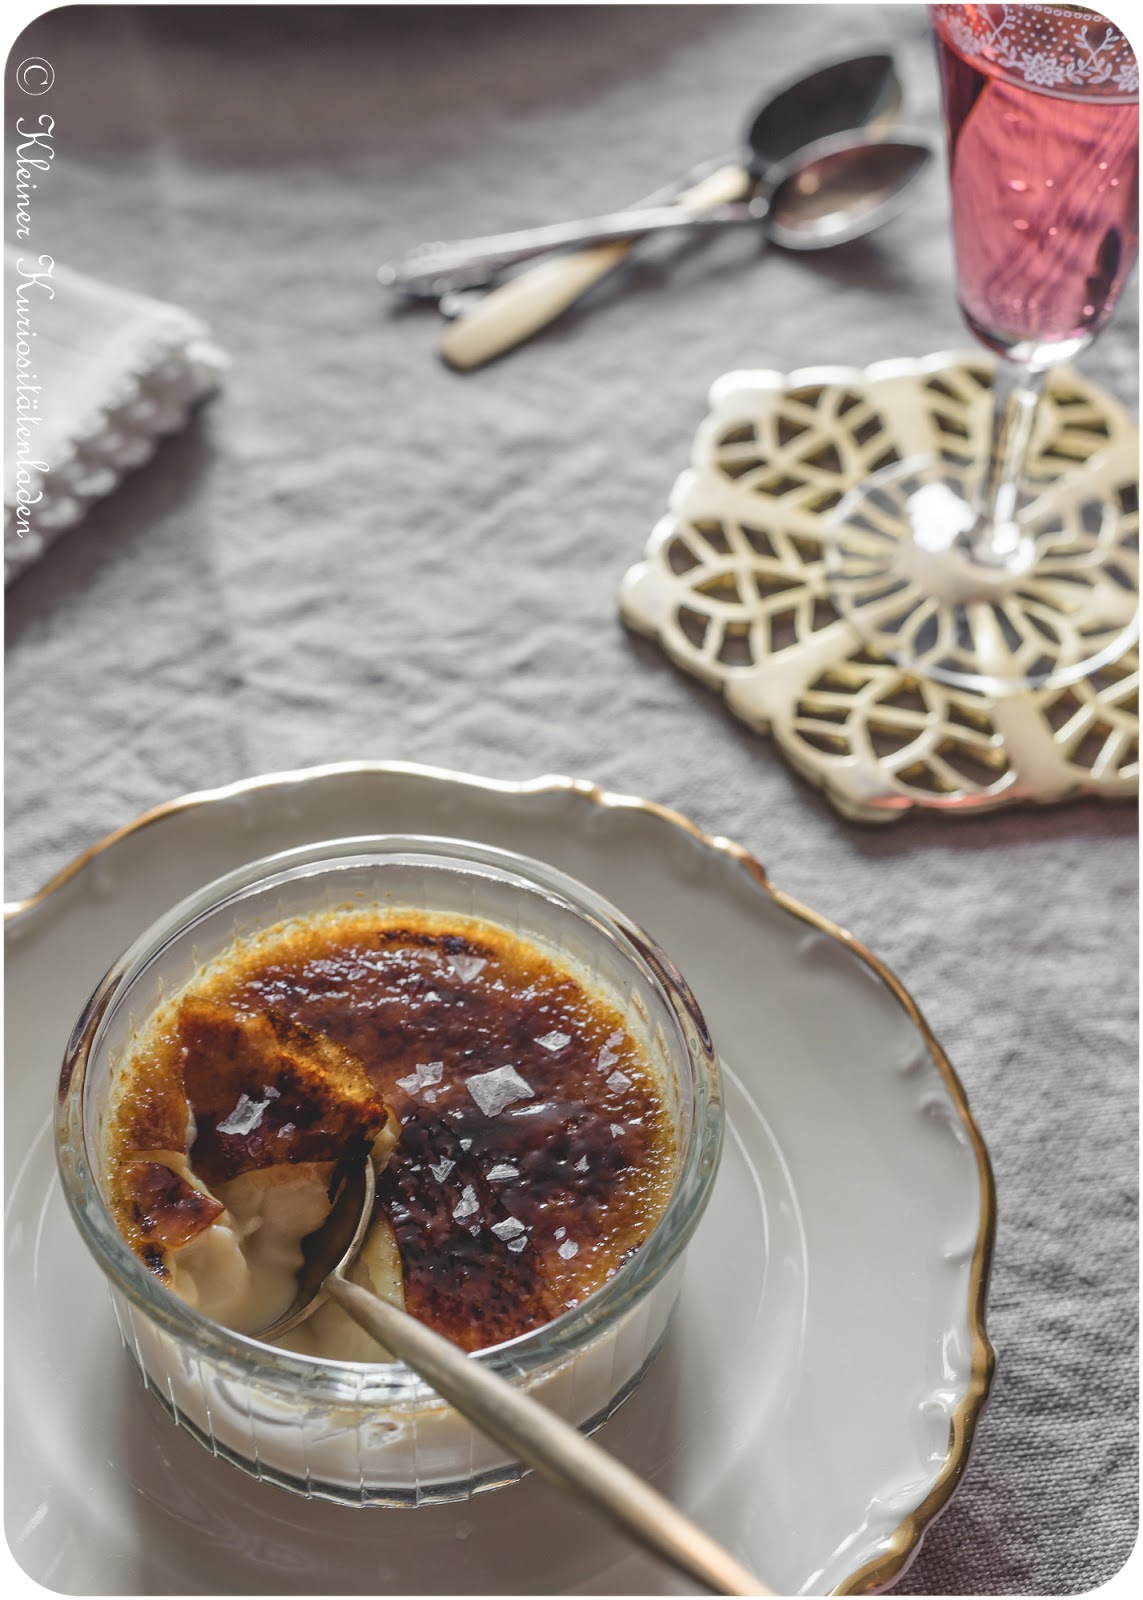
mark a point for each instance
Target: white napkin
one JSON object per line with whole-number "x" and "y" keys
{"x": 101, "y": 375}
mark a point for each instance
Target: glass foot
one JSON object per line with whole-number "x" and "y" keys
{"x": 1053, "y": 599}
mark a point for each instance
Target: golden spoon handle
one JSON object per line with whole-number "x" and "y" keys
{"x": 518, "y": 309}
{"x": 548, "y": 1444}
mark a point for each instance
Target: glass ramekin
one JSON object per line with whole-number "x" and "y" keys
{"x": 375, "y": 1434}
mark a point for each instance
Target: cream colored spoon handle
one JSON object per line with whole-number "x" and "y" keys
{"x": 518, "y": 309}
{"x": 548, "y": 1444}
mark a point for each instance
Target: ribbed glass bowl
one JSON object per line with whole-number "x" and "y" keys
{"x": 375, "y": 1434}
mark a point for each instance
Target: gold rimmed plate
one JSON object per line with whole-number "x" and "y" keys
{"x": 816, "y": 1397}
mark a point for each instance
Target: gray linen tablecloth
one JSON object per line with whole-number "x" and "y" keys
{"x": 357, "y": 553}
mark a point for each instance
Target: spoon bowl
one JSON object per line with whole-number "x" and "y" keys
{"x": 334, "y": 1246}
{"x": 849, "y": 93}
{"x": 838, "y": 189}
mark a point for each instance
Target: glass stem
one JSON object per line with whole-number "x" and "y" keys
{"x": 1017, "y": 390}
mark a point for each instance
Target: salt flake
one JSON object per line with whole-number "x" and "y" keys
{"x": 467, "y": 967}
{"x": 245, "y": 1117}
{"x": 422, "y": 1075}
{"x": 616, "y": 1129}
{"x": 510, "y": 1228}
{"x": 503, "y": 1169}
{"x": 554, "y": 1041}
{"x": 581, "y": 1165}
{"x": 494, "y": 1091}
{"x": 466, "y": 1144}
{"x": 619, "y": 1081}
{"x": 516, "y": 1245}
{"x": 441, "y": 1169}
{"x": 560, "y": 1233}
{"x": 568, "y": 1249}
{"x": 467, "y": 1206}
{"x": 607, "y": 1058}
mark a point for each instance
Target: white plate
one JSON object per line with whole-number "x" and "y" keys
{"x": 816, "y": 1397}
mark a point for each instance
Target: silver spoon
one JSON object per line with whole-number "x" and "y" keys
{"x": 834, "y": 191}
{"x": 540, "y": 1438}
{"x": 851, "y": 93}
{"x": 857, "y": 92}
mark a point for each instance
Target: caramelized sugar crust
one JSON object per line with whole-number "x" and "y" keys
{"x": 168, "y": 1209}
{"x": 512, "y": 1196}
{"x": 263, "y": 1092}
{"x": 266, "y": 1091}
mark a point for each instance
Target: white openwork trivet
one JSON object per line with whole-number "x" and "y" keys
{"x": 735, "y": 588}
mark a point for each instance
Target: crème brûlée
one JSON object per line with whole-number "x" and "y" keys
{"x": 514, "y": 1116}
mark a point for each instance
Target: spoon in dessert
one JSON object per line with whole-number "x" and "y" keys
{"x": 541, "y": 1439}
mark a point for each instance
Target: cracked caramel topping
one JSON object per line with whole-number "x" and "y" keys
{"x": 534, "y": 1153}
